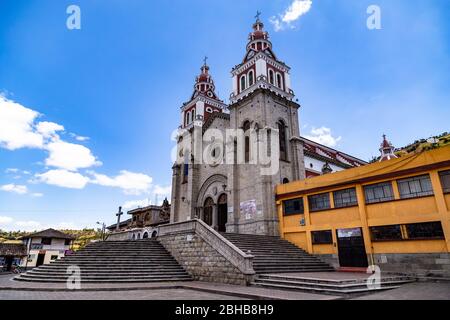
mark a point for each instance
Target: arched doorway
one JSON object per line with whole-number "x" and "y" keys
{"x": 154, "y": 234}
{"x": 145, "y": 236}
{"x": 208, "y": 211}
{"x": 222, "y": 213}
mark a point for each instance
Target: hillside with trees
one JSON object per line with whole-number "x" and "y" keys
{"x": 82, "y": 237}
{"x": 422, "y": 145}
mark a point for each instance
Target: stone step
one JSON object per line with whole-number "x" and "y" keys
{"x": 290, "y": 269}
{"x": 321, "y": 290}
{"x": 117, "y": 263}
{"x": 273, "y": 254}
{"x": 326, "y": 285}
{"x": 114, "y": 266}
{"x": 116, "y": 273}
{"x": 122, "y": 261}
{"x": 117, "y": 259}
{"x": 140, "y": 280}
{"x": 104, "y": 277}
{"x": 332, "y": 282}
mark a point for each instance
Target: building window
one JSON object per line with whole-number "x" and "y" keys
{"x": 246, "y": 128}
{"x": 386, "y": 233}
{"x": 53, "y": 258}
{"x": 379, "y": 192}
{"x": 285, "y": 181}
{"x": 415, "y": 187}
{"x": 319, "y": 202}
{"x": 185, "y": 172}
{"x": 429, "y": 230}
{"x": 193, "y": 115}
{"x": 322, "y": 237}
{"x": 46, "y": 241}
{"x": 282, "y": 138}
{"x": 67, "y": 242}
{"x": 250, "y": 78}
{"x": 445, "y": 180}
{"x": 345, "y": 198}
{"x": 279, "y": 81}
{"x": 271, "y": 77}
{"x": 292, "y": 207}
{"x": 243, "y": 83}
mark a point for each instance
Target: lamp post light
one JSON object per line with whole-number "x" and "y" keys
{"x": 103, "y": 229}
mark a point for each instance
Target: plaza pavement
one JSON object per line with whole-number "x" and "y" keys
{"x": 195, "y": 290}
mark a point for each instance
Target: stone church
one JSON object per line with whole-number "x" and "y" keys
{"x": 234, "y": 196}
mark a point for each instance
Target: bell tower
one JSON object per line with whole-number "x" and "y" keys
{"x": 204, "y": 100}
{"x": 262, "y": 98}
{"x": 260, "y": 68}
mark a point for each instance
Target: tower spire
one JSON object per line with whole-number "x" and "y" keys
{"x": 387, "y": 150}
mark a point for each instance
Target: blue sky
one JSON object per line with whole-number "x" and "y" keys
{"x": 96, "y": 107}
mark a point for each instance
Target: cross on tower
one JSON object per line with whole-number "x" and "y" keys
{"x": 258, "y": 14}
{"x": 205, "y": 60}
{"x": 118, "y": 214}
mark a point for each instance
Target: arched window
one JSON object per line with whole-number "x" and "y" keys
{"x": 282, "y": 137}
{"x": 279, "y": 81}
{"x": 208, "y": 211}
{"x": 250, "y": 78}
{"x": 246, "y": 128}
{"x": 243, "y": 83}
{"x": 285, "y": 180}
{"x": 271, "y": 77}
{"x": 188, "y": 118}
{"x": 193, "y": 115}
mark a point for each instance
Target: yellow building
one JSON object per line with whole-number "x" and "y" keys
{"x": 394, "y": 214}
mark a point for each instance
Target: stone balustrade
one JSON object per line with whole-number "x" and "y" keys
{"x": 206, "y": 254}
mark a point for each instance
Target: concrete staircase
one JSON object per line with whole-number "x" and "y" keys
{"x": 328, "y": 284}
{"x": 282, "y": 265}
{"x": 275, "y": 255}
{"x": 114, "y": 262}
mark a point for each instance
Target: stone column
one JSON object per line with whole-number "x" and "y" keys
{"x": 215, "y": 216}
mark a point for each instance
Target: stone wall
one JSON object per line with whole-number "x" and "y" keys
{"x": 331, "y": 259}
{"x": 205, "y": 254}
{"x": 420, "y": 264}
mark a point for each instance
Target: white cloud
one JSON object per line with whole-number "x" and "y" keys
{"x": 11, "y": 170}
{"x": 9, "y": 224}
{"x": 162, "y": 191}
{"x": 131, "y": 183}
{"x": 5, "y": 220}
{"x": 136, "y": 204}
{"x": 292, "y": 14}
{"x": 14, "y": 188}
{"x": 323, "y": 136}
{"x": 63, "y": 178}
{"x": 79, "y": 138}
{"x": 70, "y": 156}
{"x": 48, "y": 129}
{"x": 19, "y": 130}
{"x": 16, "y": 126}
{"x": 37, "y": 195}
{"x": 28, "y": 225}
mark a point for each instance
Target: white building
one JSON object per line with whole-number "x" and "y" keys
{"x": 46, "y": 246}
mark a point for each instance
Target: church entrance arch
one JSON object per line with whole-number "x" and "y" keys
{"x": 208, "y": 211}
{"x": 222, "y": 213}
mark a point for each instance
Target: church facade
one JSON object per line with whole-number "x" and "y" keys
{"x": 220, "y": 175}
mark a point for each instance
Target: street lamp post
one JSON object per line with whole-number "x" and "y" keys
{"x": 103, "y": 229}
